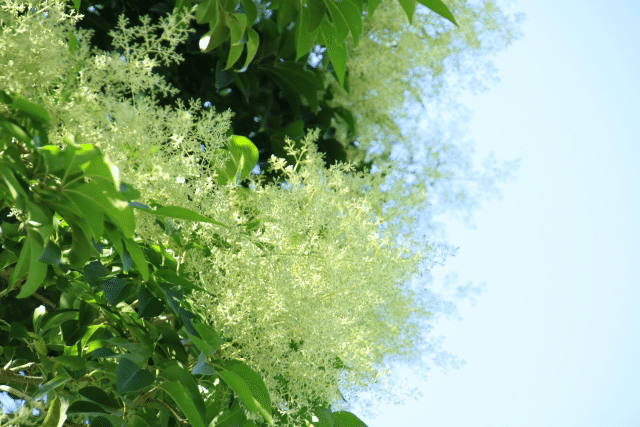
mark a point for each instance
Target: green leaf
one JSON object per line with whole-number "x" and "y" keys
{"x": 138, "y": 257}
{"x": 209, "y": 335}
{"x": 98, "y": 395}
{"x": 37, "y": 269}
{"x": 346, "y": 419}
{"x": 34, "y": 111}
{"x": 253, "y": 41}
{"x": 111, "y": 202}
{"x": 73, "y": 41}
{"x": 12, "y": 183}
{"x": 173, "y": 278}
{"x": 100, "y": 421}
{"x": 73, "y": 362}
{"x": 81, "y": 249}
{"x": 113, "y": 290}
{"x": 72, "y": 331}
{"x": 22, "y": 266}
{"x": 339, "y": 21}
{"x": 93, "y": 271}
{"x": 15, "y": 131}
{"x": 409, "y": 7}
{"x": 249, "y": 387}
{"x": 206, "y": 11}
{"x": 353, "y": 15}
{"x": 85, "y": 407}
{"x": 440, "y": 8}
{"x": 131, "y": 378}
{"x": 57, "y": 413}
{"x": 337, "y": 51}
{"x": 314, "y": 12}
{"x": 372, "y": 5}
{"x": 51, "y": 254}
{"x": 182, "y": 397}
{"x": 187, "y": 396}
{"x": 237, "y": 23}
{"x": 235, "y": 51}
{"x": 250, "y": 10}
{"x": 148, "y": 304}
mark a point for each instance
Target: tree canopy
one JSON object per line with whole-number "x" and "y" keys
{"x": 204, "y": 217}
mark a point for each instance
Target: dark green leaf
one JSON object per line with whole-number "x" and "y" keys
{"x": 250, "y": 387}
{"x": 98, "y": 395}
{"x": 72, "y": 332}
{"x": 148, "y": 304}
{"x": 113, "y": 289}
{"x": 131, "y": 378}
{"x": 100, "y": 422}
{"x": 51, "y": 254}
{"x": 94, "y": 271}
{"x": 85, "y": 407}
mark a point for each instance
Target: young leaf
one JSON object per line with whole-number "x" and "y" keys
{"x": 337, "y": 51}
{"x": 249, "y": 387}
{"x": 57, "y": 413}
{"x": 409, "y": 7}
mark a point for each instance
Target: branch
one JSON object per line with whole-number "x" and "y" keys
{"x": 9, "y": 376}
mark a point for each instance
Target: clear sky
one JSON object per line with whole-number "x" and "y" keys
{"x": 555, "y": 339}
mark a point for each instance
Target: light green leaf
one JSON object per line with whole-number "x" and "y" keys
{"x": 249, "y": 387}
{"x": 34, "y": 111}
{"x": 253, "y": 41}
{"x": 235, "y": 50}
{"x": 237, "y": 23}
{"x": 111, "y": 203}
{"x": 57, "y": 413}
{"x": 206, "y": 11}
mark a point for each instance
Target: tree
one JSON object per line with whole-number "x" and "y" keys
{"x": 167, "y": 283}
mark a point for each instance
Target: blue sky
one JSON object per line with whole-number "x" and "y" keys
{"x": 554, "y": 341}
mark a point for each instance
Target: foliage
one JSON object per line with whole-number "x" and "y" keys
{"x": 178, "y": 288}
